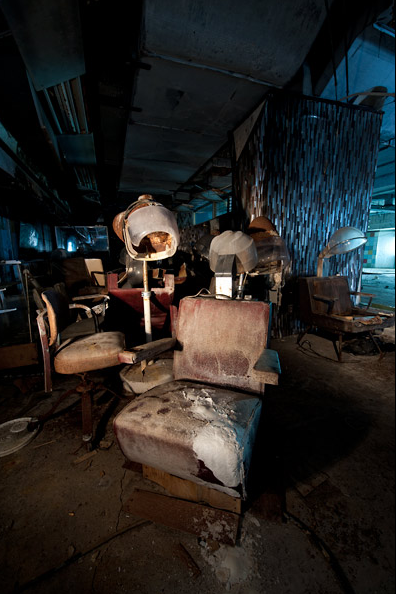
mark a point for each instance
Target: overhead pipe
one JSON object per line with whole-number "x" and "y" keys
{"x": 232, "y": 73}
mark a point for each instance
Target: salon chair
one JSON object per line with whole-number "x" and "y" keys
{"x": 326, "y": 303}
{"x": 201, "y": 427}
{"x": 73, "y": 351}
{"x": 161, "y": 299}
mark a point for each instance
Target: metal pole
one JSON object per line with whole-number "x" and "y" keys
{"x": 28, "y": 307}
{"x": 319, "y": 270}
{"x": 146, "y": 303}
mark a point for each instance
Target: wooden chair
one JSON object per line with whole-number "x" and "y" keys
{"x": 75, "y": 349}
{"x": 195, "y": 435}
{"x": 326, "y": 303}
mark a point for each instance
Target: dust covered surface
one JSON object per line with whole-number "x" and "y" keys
{"x": 324, "y": 456}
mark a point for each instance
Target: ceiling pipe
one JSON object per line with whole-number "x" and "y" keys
{"x": 265, "y": 83}
{"x": 384, "y": 29}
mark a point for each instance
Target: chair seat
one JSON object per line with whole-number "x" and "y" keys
{"x": 97, "y": 351}
{"x": 354, "y": 324}
{"x": 81, "y": 328}
{"x": 195, "y": 431}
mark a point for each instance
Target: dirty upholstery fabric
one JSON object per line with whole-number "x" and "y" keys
{"x": 201, "y": 433}
{"x": 220, "y": 341}
{"x": 97, "y": 351}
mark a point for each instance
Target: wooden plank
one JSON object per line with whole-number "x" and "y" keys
{"x": 185, "y": 489}
{"x": 18, "y": 355}
{"x": 146, "y": 351}
{"x": 85, "y": 457}
{"x": 205, "y": 522}
{"x": 267, "y": 367}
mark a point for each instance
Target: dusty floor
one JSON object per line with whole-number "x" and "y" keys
{"x": 380, "y": 282}
{"x": 320, "y": 519}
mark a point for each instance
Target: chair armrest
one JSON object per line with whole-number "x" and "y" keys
{"x": 329, "y": 300}
{"x": 267, "y": 368}
{"x": 100, "y": 307}
{"x": 371, "y": 295}
{"x": 325, "y": 298}
{"x": 93, "y": 296}
{"x": 150, "y": 350}
{"x": 361, "y": 293}
{"x": 90, "y": 312}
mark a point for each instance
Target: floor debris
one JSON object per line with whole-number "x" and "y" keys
{"x": 334, "y": 421}
{"x": 232, "y": 565}
{"x": 85, "y": 457}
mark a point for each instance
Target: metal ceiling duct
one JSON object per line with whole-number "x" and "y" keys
{"x": 48, "y": 36}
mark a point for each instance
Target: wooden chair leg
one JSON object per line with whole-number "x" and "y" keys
{"x": 338, "y": 350}
{"x": 381, "y": 352}
{"x": 340, "y": 345}
{"x": 303, "y": 333}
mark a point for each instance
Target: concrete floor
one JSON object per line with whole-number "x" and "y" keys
{"x": 381, "y": 283}
{"x": 320, "y": 518}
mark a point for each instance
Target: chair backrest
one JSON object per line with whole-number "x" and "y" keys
{"x": 219, "y": 341}
{"x": 75, "y": 274}
{"x": 95, "y": 271}
{"x": 161, "y": 298}
{"x": 330, "y": 287}
{"x": 58, "y": 313}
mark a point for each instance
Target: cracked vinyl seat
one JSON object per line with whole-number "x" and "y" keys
{"x": 202, "y": 426}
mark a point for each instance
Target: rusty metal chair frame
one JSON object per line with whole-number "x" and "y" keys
{"x": 50, "y": 341}
{"x": 43, "y": 328}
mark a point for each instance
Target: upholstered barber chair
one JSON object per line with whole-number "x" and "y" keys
{"x": 202, "y": 426}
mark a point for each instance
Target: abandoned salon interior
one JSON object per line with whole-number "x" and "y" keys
{"x": 197, "y": 296}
